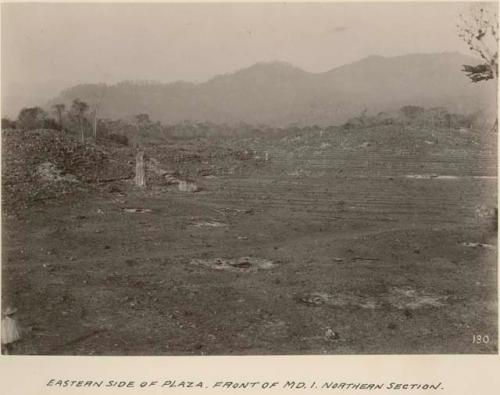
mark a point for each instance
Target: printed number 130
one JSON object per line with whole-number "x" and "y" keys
{"x": 480, "y": 339}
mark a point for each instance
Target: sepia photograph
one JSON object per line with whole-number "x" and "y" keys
{"x": 249, "y": 179}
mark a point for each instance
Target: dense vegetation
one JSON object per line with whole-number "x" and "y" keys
{"x": 84, "y": 124}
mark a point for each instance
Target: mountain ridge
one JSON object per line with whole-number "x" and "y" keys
{"x": 278, "y": 93}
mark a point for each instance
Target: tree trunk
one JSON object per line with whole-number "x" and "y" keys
{"x": 59, "y": 116}
{"x": 96, "y": 108}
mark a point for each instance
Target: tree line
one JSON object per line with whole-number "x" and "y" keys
{"x": 75, "y": 118}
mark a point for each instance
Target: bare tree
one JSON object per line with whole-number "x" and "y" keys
{"x": 96, "y": 109}
{"x": 79, "y": 109}
{"x": 59, "y": 110}
{"x": 479, "y": 30}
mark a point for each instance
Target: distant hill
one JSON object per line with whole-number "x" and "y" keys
{"x": 280, "y": 94}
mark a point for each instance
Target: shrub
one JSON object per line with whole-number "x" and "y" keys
{"x": 118, "y": 138}
{"x": 8, "y": 124}
{"x": 31, "y": 118}
{"x": 412, "y": 112}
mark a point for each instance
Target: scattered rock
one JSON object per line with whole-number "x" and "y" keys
{"x": 339, "y": 300}
{"x": 481, "y": 245}
{"x": 238, "y": 264}
{"x": 330, "y": 334}
{"x": 170, "y": 179}
{"x": 235, "y": 211}
{"x": 188, "y": 186}
{"x": 137, "y": 210}
{"x": 212, "y": 224}
{"x": 50, "y": 173}
{"x": 153, "y": 165}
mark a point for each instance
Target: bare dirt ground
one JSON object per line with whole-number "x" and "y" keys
{"x": 337, "y": 244}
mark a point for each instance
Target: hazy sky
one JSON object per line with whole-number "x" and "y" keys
{"x": 55, "y": 45}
